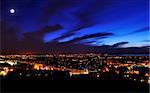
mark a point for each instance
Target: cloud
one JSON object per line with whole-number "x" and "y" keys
{"x": 145, "y": 29}
{"x": 8, "y": 37}
{"x": 92, "y": 7}
{"x": 72, "y": 32}
{"x": 142, "y": 29}
{"x": 145, "y": 40}
{"x": 33, "y": 43}
{"x": 89, "y": 36}
{"x": 52, "y": 7}
{"x": 126, "y": 50}
{"x": 53, "y": 28}
{"x": 34, "y": 40}
{"x": 76, "y": 13}
{"x": 39, "y": 34}
{"x": 139, "y": 30}
{"x": 120, "y": 44}
{"x": 64, "y": 36}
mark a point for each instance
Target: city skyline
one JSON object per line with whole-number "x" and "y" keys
{"x": 77, "y": 72}
{"x": 70, "y": 26}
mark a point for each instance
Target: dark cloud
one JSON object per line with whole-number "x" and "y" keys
{"x": 39, "y": 34}
{"x": 148, "y": 46}
{"x": 145, "y": 40}
{"x": 53, "y": 28}
{"x": 73, "y": 16}
{"x": 120, "y": 44}
{"x": 90, "y": 42}
{"x": 139, "y": 30}
{"x": 8, "y": 37}
{"x": 127, "y": 50}
{"x": 84, "y": 15}
{"x": 52, "y": 7}
{"x": 81, "y": 11}
{"x": 64, "y": 36}
{"x": 81, "y": 27}
{"x": 92, "y": 8}
{"x": 72, "y": 32}
{"x": 145, "y": 29}
{"x": 142, "y": 29}
{"x": 32, "y": 41}
{"x": 89, "y": 36}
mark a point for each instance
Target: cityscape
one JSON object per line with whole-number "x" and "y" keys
{"x": 91, "y": 66}
{"x": 74, "y": 46}
{"x": 77, "y": 67}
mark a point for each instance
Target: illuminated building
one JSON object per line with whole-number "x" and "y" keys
{"x": 38, "y": 66}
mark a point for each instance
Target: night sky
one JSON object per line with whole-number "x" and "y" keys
{"x": 75, "y": 26}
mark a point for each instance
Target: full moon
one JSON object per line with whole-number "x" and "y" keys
{"x": 12, "y": 11}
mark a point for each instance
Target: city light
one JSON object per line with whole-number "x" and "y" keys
{"x": 38, "y": 66}
{"x": 94, "y": 65}
{"x": 3, "y": 73}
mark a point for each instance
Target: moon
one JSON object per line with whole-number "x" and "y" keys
{"x": 12, "y": 11}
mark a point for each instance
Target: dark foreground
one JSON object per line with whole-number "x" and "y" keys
{"x": 73, "y": 86}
